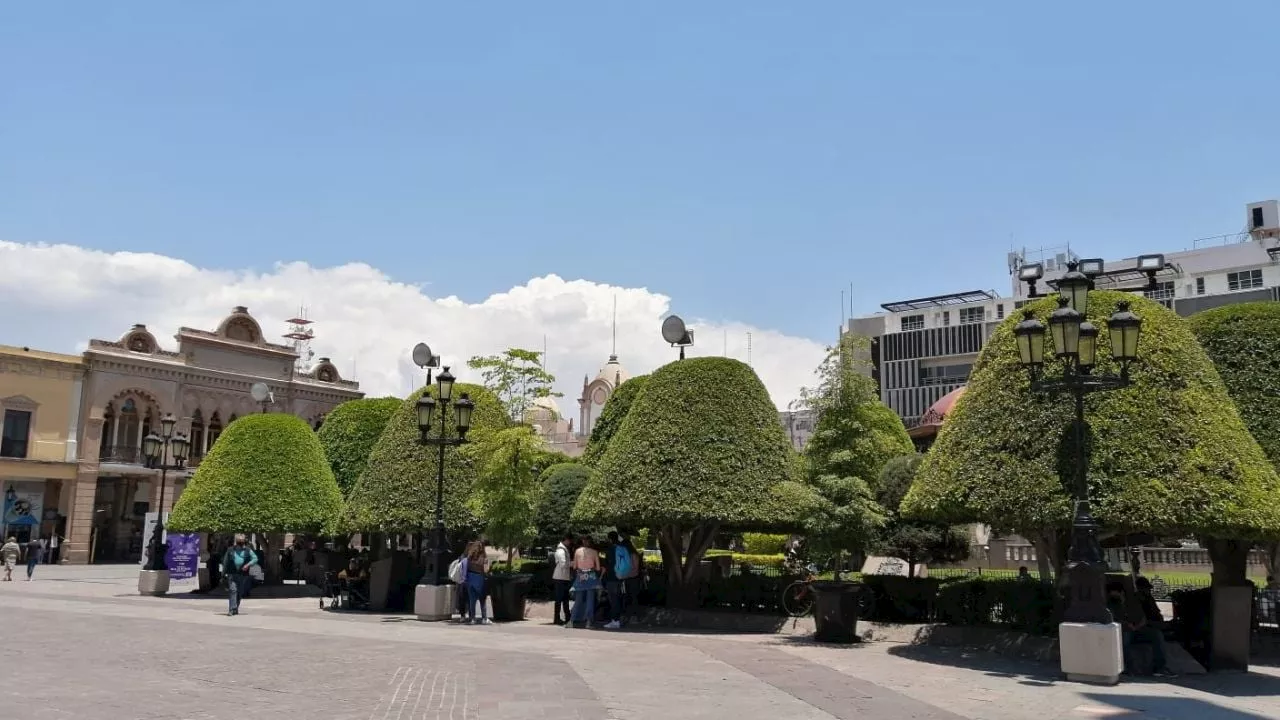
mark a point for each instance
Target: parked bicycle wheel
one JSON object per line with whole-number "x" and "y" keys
{"x": 866, "y": 602}
{"x": 797, "y": 599}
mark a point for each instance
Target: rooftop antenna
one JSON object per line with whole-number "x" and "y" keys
{"x": 749, "y": 349}
{"x": 301, "y": 335}
{"x": 613, "y": 353}
{"x": 850, "y": 301}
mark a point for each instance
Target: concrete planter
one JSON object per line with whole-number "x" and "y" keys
{"x": 153, "y": 582}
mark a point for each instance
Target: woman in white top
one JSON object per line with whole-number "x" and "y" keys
{"x": 562, "y": 578}
{"x": 586, "y": 581}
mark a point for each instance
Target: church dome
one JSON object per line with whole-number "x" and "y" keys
{"x": 936, "y": 414}
{"x": 613, "y": 373}
{"x": 545, "y": 405}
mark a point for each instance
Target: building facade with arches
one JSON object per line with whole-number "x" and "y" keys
{"x": 132, "y": 382}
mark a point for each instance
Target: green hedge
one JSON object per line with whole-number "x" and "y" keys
{"x": 611, "y": 417}
{"x": 561, "y": 485}
{"x": 266, "y": 473}
{"x": 397, "y": 492}
{"x": 1168, "y": 455}
{"x": 1243, "y": 341}
{"x": 763, "y": 543}
{"x": 1015, "y": 604}
{"x": 349, "y": 433}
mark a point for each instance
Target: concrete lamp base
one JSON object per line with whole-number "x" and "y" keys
{"x": 1091, "y": 652}
{"x": 433, "y": 603}
{"x": 153, "y": 582}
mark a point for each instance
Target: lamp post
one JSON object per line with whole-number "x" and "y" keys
{"x": 157, "y": 450}
{"x": 427, "y": 412}
{"x": 1075, "y": 346}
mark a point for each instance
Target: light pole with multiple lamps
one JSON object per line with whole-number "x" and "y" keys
{"x": 433, "y": 599}
{"x": 158, "y": 449}
{"x": 1074, "y": 342}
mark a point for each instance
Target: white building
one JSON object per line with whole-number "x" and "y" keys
{"x": 925, "y": 348}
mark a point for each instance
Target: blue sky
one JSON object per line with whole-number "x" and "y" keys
{"x": 749, "y": 159}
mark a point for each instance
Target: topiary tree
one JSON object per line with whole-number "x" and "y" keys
{"x": 349, "y": 433}
{"x": 397, "y": 492}
{"x": 266, "y": 474}
{"x": 561, "y": 485}
{"x": 700, "y": 449}
{"x": 1167, "y": 455}
{"x": 1243, "y": 341}
{"x": 506, "y": 490}
{"x": 915, "y": 541}
{"x": 611, "y": 417}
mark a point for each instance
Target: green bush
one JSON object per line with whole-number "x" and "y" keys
{"x": 763, "y": 543}
{"x": 1243, "y": 341}
{"x": 349, "y": 433}
{"x": 1015, "y": 604}
{"x": 397, "y": 492}
{"x": 702, "y": 443}
{"x": 267, "y": 473}
{"x": 903, "y": 599}
{"x": 611, "y": 417}
{"x": 561, "y": 486}
{"x": 1168, "y": 454}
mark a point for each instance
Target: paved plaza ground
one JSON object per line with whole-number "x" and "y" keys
{"x": 82, "y": 645}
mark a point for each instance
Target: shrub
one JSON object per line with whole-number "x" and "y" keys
{"x": 349, "y": 434}
{"x": 611, "y": 417}
{"x": 1168, "y": 455}
{"x": 397, "y": 492}
{"x": 561, "y": 486}
{"x": 1243, "y": 341}
{"x": 1016, "y": 604}
{"x": 763, "y": 543}
{"x": 267, "y": 473}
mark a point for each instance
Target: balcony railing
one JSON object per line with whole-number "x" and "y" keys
{"x": 123, "y": 454}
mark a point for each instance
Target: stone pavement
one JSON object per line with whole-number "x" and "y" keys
{"x": 81, "y": 644}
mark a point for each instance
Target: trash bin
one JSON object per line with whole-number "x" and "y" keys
{"x": 835, "y": 611}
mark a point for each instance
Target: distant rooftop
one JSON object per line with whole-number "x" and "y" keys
{"x": 960, "y": 298}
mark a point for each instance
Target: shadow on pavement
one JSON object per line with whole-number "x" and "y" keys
{"x": 1173, "y": 707}
{"x": 1027, "y": 672}
{"x": 1235, "y": 684}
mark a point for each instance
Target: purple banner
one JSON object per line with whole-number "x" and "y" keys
{"x": 183, "y": 557}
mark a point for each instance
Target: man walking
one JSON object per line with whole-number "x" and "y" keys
{"x": 235, "y": 565}
{"x": 562, "y": 578}
{"x": 35, "y": 549}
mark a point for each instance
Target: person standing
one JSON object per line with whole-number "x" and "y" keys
{"x": 35, "y": 549}
{"x": 9, "y": 552}
{"x": 617, "y": 567}
{"x": 235, "y": 565}
{"x": 562, "y": 578}
{"x": 477, "y": 570}
{"x": 586, "y": 582}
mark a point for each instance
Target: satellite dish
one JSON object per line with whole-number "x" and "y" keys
{"x": 422, "y": 355}
{"x": 673, "y": 330}
{"x": 260, "y": 392}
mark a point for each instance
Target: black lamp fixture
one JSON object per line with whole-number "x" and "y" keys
{"x": 427, "y": 407}
{"x": 1075, "y": 352}
{"x": 158, "y": 449}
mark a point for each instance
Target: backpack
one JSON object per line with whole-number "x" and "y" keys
{"x": 455, "y": 571}
{"x": 622, "y": 562}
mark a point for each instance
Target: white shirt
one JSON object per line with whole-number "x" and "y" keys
{"x": 562, "y": 571}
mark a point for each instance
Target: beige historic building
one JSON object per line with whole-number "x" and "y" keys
{"x": 560, "y": 432}
{"x": 132, "y": 382}
{"x": 40, "y": 400}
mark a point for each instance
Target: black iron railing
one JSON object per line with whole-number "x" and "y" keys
{"x": 125, "y": 454}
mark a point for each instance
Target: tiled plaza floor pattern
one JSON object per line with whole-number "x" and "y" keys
{"x": 79, "y": 643}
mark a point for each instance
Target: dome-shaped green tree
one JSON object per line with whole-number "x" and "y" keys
{"x": 611, "y": 417}
{"x": 349, "y": 433}
{"x": 1243, "y": 341}
{"x": 1168, "y": 455}
{"x": 562, "y": 483}
{"x": 701, "y": 449}
{"x": 266, "y": 474}
{"x": 397, "y": 492}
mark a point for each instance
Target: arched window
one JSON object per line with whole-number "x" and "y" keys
{"x": 215, "y": 429}
{"x": 108, "y": 431}
{"x": 197, "y": 435}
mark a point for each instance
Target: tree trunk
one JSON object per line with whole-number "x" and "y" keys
{"x": 682, "y": 564}
{"x": 1230, "y": 560}
{"x": 1272, "y": 551}
{"x": 1044, "y": 542}
{"x": 272, "y": 544}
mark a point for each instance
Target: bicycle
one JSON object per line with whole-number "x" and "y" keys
{"x": 798, "y": 597}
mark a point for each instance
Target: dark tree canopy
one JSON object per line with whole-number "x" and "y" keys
{"x": 1243, "y": 341}
{"x": 611, "y": 417}
{"x": 916, "y": 541}
{"x": 1168, "y": 455}
{"x": 561, "y": 486}
{"x": 397, "y": 492}
{"x": 266, "y": 473}
{"x": 349, "y": 433}
{"x": 701, "y": 443}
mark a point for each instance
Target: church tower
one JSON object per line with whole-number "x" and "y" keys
{"x": 596, "y": 392}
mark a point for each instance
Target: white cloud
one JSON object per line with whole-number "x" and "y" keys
{"x": 56, "y": 297}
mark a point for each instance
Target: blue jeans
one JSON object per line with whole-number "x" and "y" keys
{"x": 614, "y": 589}
{"x": 31, "y": 566}
{"x": 584, "y": 606}
{"x": 1154, "y": 637}
{"x": 237, "y": 586}
{"x": 475, "y": 593}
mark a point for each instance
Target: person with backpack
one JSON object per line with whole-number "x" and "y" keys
{"x": 617, "y": 570}
{"x": 633, "y": 583}
{"x": 237, "y": 563}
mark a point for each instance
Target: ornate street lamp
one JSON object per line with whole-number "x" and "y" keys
{"x": 1075, "y": 348}
{"x": 427, "y": 413}
{"x": 158, "y": 449}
